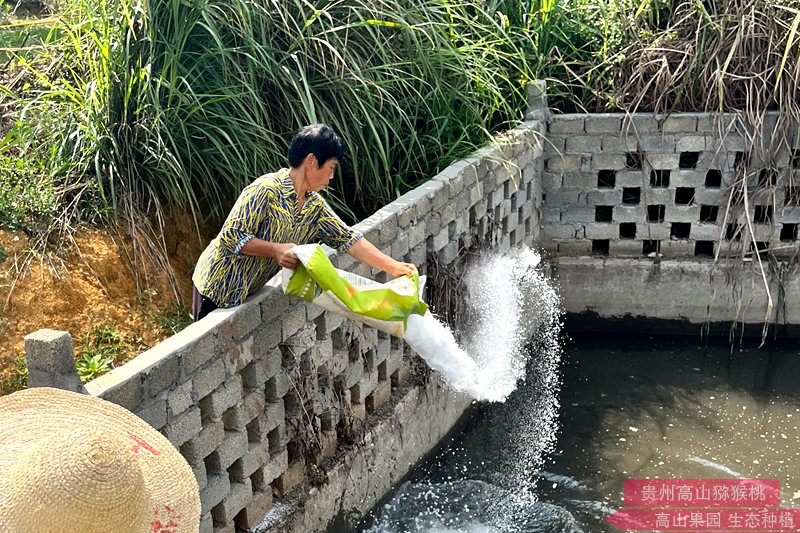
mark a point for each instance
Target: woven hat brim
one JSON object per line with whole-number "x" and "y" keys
{"x": 28, "y": 416}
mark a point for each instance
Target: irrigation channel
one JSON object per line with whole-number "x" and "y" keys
{"x": 554, "y": 455}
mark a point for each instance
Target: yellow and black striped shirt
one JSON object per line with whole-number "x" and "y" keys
{"x": 267, "y": 209}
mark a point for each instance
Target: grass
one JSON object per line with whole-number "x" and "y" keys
{"x": 103, "y": 346}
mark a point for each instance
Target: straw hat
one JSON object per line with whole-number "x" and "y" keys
{"x": 72, "y": 463}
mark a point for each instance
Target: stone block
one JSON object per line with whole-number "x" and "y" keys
{"x": 566, "y": 124}
{"x": 583, "y": 215}
{"x": 232, "y": 447}
{"x": 257, "y": 456}
{"x": 180, "y": 399}
{"x": 208, "y": 379}
{"x": 602, "y": 231}
{"x": 217, "y": 488}
{"x": 223, "y": 398}
{"x": 604, "y": 123}
{"x": 50, "y": 359}
{"x": 439, "y": 241}
{"x": 201, "y": 446}
{"x": 275, "y": 414}
{"x": 276, "y": 466}
{"x": 241, "y": 492}
{"x": 574, "y": 248}
{"x": 608, "y": 162}
{"x": 584, "y": 143}
{"x": 567, "y": 163}
{"x": 184, "y": 427}
{"x": 200, "y": 352}
{"x": 254, "y": 512}
{"x": 278, "y": 386}
{"x": 562, "y": 231}
{"x": 618, "y": 143}
{"x": 663, "y": 161}
{"x": 679, "y": 124}
{"x": 293, "y": 321}
{"x": 154, "y": 414}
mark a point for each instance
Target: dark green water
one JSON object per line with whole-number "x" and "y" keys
{"x": 630, "y": 407}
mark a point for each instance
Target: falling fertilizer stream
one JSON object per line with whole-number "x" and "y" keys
{"x": 510, "y": 301}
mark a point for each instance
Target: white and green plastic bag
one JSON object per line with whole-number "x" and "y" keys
{"x": 395, "y": 307}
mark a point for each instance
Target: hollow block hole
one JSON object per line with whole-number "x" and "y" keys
{"x": 600, "y": 247}
{"x": 633, "y": 160}
{"x": 680, "y": 230}
{"x": 714, "y": 179}
{"x": 789, "y": 232}
{"x": 627, "y": 230}
{"x": 733, "y": 232}
{"x": 684, "y": 195}
{"x": 631, "y": 195}
{"x": 688, "y": 160}
{"x": 606, "y": 179}
{"x": 704, "y": 248}
{"x": 603, "y": 213}
{"x": 763, "y": 214}
{"x": 709, "y": 213}
{"x": 793, "y": 195}
{"x": 655, "y": 213}
{"x": 651, "y": 246}
{"x": 767, "y": 177}
{"x": 659, "y": 178}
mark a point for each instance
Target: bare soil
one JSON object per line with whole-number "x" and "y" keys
{"x": 91, "y": 286}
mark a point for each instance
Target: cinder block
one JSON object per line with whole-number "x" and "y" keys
{"x": 602, "y": 231}
{"x": 256, "y": 457}
{"x": 439, "y": 241}
{"x": 605, "y": 197}
{"x": 275, "y": 414}
{"x": 625, "y": 248}
{"x": 619, "y": 143}
{"x": 574, "y": 248}
{"x": 679, "y": 124}
{"x": 566, "y": 197}
{"x": 562, "y": 231}
{"x": 710, "y": 196}
{"x": 663, "y": 161}
{"x": 550, "y": 215}
{"x": 292, "y": 477}
{"x": 608, "y": 162}
{"x": 705, "y": 232}
{"x": 200, "y": 352}
{"x": 639, "y": 123}
{"x": 632, "y": 178}
{"x": 632, "y": 213}
{"x": 678, "y": 248}
{"x": 201, "y": 446}
{"x": 658, "y": 195}
{"x": 694, "y": 143}
{"x": 583, "y": 215}
{"x": 247, "y": 318}
{"x": 233, "y": 446}
{"x": 276, "y": 466}
{"x": 367, "y": 384}
{"x": 207, "y": 523}
{"x": 240, "y": 495}
{"x": 200, "y": 475}
{"x": 689, "y": 213}
{"x": 551, "y": 181}
{"x": 378, "y": 396}
{"x": 567, "y": 162}
{"x": 163, "y": 375}
{"x": 218, "y": 487}
{"x": 566, "y": 124}
{"x": 687, "y": 178}
{"x": 249, "y": 517}
{"x": 604, "y": 123}
{"x": 653, "y": 231}
{"x": 154, "y": 414}
{"x": 583, "y": 143}
{"x": 293, "y": 321}
{"x": 223, "y": 398}
{"x": 278, "y": 386}
{"x": 657, "y": 143}
{"x": 180, "y": 399}
{"x": 208, "y": 379}
{"x": 184, "y": 427}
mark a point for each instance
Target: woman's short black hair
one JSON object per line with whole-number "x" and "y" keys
{"x": 317, "y": 139}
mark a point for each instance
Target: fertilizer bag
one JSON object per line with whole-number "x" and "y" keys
{"x": 395, "y": 307}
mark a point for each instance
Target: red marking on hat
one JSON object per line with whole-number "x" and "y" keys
{"x": 142, "y": 444}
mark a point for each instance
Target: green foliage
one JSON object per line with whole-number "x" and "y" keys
{"x": 172, "y": 319}
{"x": 18, "y": 380}
{"x": 26, "y": 196}
{"x": 102, "y": 347}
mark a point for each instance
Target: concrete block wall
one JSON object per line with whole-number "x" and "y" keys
{"x": 637, "y": 185}
{"x": 258, "y": 396}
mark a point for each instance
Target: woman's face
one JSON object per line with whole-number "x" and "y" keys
{"x": 318, "y": 177}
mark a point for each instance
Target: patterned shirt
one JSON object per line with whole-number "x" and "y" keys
{"x": 267, "y": 209}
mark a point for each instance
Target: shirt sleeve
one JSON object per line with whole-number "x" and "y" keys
{"x": 247, "y": 215}
{"x": 333, "y": 232}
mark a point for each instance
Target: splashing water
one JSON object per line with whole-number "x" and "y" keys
{"x": 509, "y": 301}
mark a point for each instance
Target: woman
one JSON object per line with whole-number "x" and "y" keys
{"x": 272, "y": 215}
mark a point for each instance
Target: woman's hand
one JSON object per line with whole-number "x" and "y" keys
{"x": 398, "y": 269}
{"x": 284, "y": 256}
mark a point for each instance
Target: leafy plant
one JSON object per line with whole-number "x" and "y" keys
{"x": 18, "y": 380}
{"x": 172, "y": 319}
{"x": 103, "y": 347}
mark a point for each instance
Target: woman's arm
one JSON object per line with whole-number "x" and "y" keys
{"x": 277, "y": 250}
{"x": 366, "y": 252}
